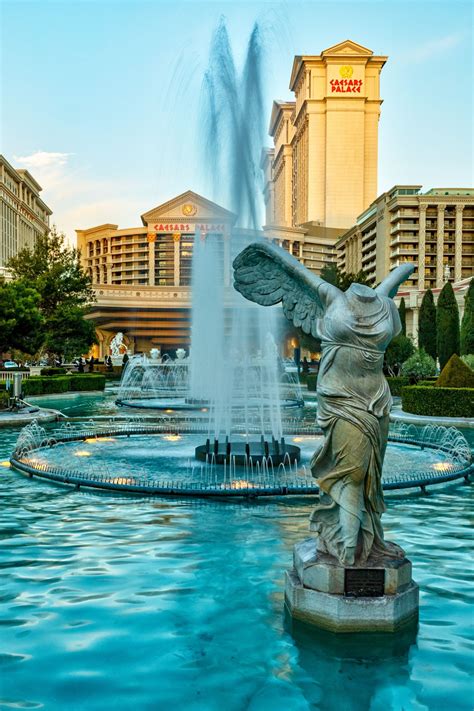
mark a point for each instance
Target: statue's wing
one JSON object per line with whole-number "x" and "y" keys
{"x": 389, "y": 286}
{"x": 267, "y": 274}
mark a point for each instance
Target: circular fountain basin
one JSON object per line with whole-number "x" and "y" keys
{"x": 151, "y": 459}
{"x": 164, "y": 404}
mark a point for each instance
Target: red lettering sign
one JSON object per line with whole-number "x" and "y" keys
{"x": 186, "y": 227}
{"x": 345, "y": 86}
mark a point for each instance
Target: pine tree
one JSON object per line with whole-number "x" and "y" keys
{"x": 447, "y": 325}
{"x": 402, "y": 311}
{"x": 467, "y": 325}
{"x": 427, "y": 325}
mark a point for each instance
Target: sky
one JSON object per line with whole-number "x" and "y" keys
{"x": 101, "y": 100}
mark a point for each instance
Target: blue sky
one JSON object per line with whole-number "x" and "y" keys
{"x": 100, "y": 100}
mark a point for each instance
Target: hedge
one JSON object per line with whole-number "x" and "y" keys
{"x": 47, "y": 385}
{"x": 4, "y": 400}
{"x": 82, "y": 382}
{"x": 53, "y": 371}
{"x": 438, "y": 402}
{"x": 396, "y": 383}
{"x": 58, "y": 384}
{"x": 32, "y": 386}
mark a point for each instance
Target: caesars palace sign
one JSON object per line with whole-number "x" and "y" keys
{"x": 179, "y": 228}
{"x": 346, "y": 84}
{"x": 182, "y": 228}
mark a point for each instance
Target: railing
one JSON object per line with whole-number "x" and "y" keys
{"x": 9, "y": 374}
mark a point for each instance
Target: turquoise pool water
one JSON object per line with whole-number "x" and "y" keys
{"x": 114, "y": 602}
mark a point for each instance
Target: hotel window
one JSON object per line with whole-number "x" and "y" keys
{"x": 164, "y": 260}
{"x": 186, "y": 244}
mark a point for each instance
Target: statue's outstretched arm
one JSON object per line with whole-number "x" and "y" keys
{"x": 267, "y": 274}
{"x": 389, "y": 286}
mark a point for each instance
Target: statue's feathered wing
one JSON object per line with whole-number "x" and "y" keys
{"x": 266, "y": 274}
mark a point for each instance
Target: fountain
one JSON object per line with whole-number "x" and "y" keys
{"x": 234, "y": 370}
{"x": 155, "y": 458}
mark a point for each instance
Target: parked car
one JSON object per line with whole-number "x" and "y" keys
{"x": 10, "y": 364}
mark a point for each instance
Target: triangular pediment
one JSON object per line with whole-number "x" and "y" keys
{"x": 277, "y": 109}
{"x": 188, "y": 207}
{"x": 347, "y": 48}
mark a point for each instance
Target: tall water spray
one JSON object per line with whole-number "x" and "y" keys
{"x": 234, "y": 357}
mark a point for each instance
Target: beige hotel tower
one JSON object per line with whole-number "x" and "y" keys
{"x": 322, "y": 171}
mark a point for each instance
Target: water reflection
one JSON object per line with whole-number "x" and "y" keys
{"x": 357, "y": 671}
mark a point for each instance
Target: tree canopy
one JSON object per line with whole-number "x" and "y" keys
{"x": 447, "y": 325}
{"x": 402, "y": 311}
{"x": 419, "y": 365}
{"x": 20, "y": 317}
{"x": 54, "y": 271}
{"x": 467, "y": 324}
{"x": 427, "y": 325}
{"x": 398, "y": 351}
{"x": 333, "y": 275}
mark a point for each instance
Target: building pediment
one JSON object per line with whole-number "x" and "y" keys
{"x": 347, "y": 48}
{"x": 277, "y": 109}
{"x": 188, "y": 206}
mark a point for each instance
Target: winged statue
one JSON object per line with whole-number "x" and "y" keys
{"x": 355, "y": 327}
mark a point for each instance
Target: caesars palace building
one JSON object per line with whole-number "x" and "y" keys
{"x": 321, "y": 205}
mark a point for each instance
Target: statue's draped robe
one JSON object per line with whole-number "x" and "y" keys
{"x": 353, "y": 410}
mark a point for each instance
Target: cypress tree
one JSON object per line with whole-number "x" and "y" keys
{"x": 467, "y": 325}
{"x": 427, "y": 325}
{"x": 402, "y": 310}
{"x": 447, "y": 325}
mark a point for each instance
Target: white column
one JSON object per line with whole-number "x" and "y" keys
{"x": 176, "y": 239}
{"x": 151, "y": 259}
{"x": 422, "y": 247}
{"x": 458, "y": 244}
{"x": 440, "y": 248}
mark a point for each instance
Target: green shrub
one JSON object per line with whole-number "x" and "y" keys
{"x": 85, "y": 382}
{"x": 447, "y": 324}
{"x": 399, "y": 350}
{"x": 311, "y": 381}
{"x": 467, "y": 323}
{"x": 4, "y": 399}
{"x": 115, "y": 376}
{"x": 438, "y": 402}
{"x": 396, "y": 383}
{"x": 32, "y": 386}
{"x": 456, "y": 374}
{"x": 420, "y": 365}
{"x": 469, "y": 360}
{"x": 427, "y": 383}
{"x": 3, "y": 384}
{"x": 427, "y": 338}
{"x": 53, "y": 371}
{"x": 55, "y": 385}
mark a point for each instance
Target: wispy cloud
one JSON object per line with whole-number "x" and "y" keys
{"x": 43, "y": 159}
{"x": 78, "y": 198}
{"x": 48, "y": 168}
{"x": 433, "y": 47}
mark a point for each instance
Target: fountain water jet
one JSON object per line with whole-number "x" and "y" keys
{"x": 234, "y": 356}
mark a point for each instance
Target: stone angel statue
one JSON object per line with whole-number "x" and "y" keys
{"x": 355, "y": 328}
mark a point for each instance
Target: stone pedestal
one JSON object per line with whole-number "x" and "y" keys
{"x": 379, "y": 596}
